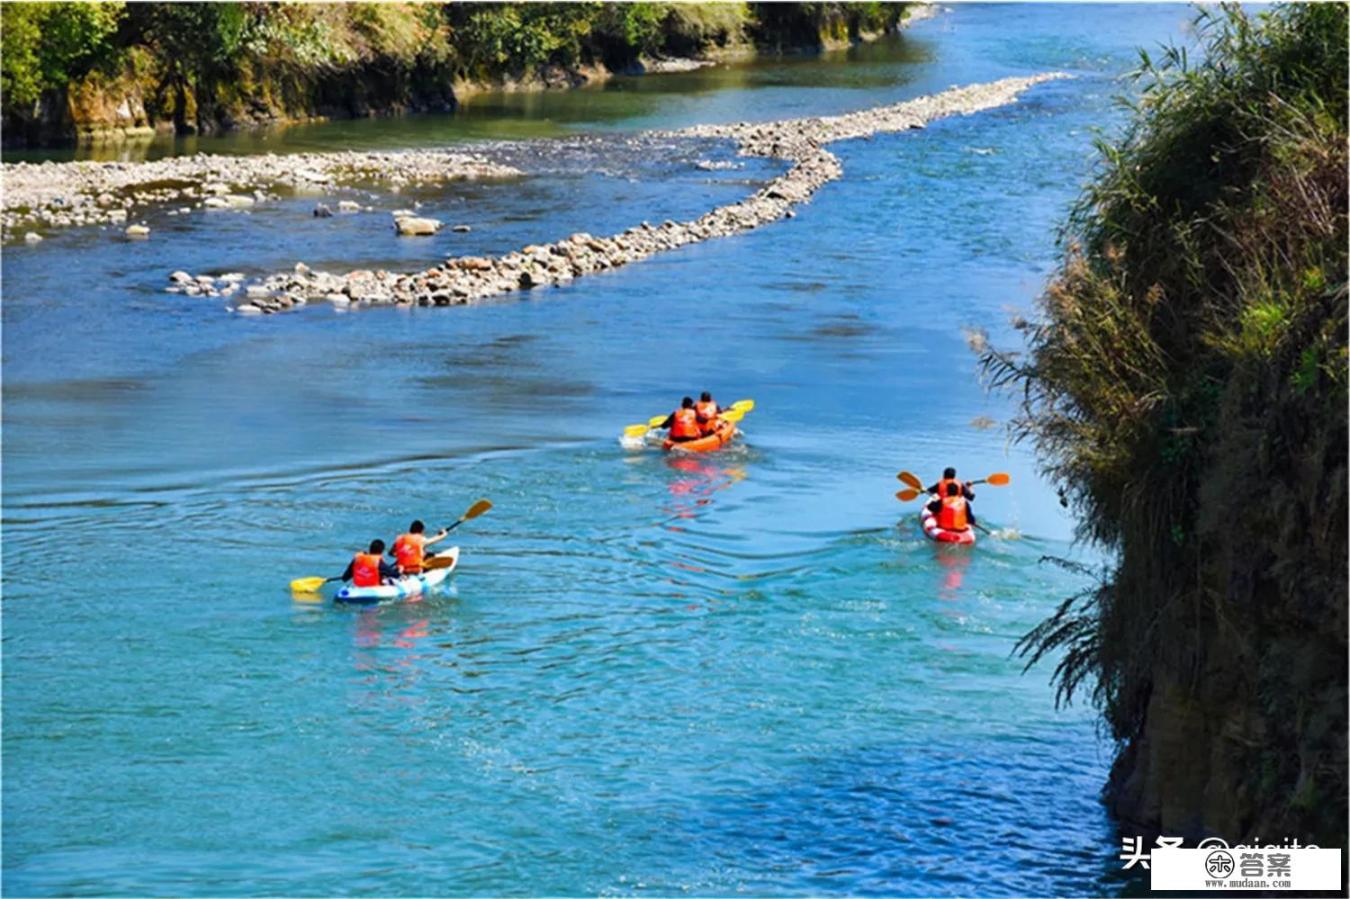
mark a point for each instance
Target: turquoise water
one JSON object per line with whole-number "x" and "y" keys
{"x": 747, "y": 672}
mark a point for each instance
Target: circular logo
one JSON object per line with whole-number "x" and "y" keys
{"x": 1219, "y": 863}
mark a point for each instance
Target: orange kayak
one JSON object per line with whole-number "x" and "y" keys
{"x": 719, "y": 438}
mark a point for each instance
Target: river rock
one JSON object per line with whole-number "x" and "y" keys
{"x": 32, "y": 237}
{"x": 137, "y": 231}
{"x": 461, "y": 229}
{"x": 414, "y": 225}
{"x": 257, "y": 292}
{"x": 349, "y": 206}
{"x": 322, "y": 211}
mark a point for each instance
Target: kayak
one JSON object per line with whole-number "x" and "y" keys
{"x": 409, "y": 585}
{"x": 720, "y": 437}
{"x": 942, "y": 535}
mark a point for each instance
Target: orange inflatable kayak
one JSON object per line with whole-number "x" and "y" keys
{"x": 719, "y": 438}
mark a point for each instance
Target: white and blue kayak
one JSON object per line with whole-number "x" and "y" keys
{"x": 409, "y": 585}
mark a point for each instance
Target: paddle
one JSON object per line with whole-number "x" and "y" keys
{"x": 310, "y": 584}
{"x": 911, "y": 481}
{"x": 998, "y": 479}
{"x": 433, "y": 562}
{"x": 474, "y": 511}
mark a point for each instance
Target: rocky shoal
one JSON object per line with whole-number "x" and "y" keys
{"x": 62, "y": 194}
{"x": 467, "y": 279}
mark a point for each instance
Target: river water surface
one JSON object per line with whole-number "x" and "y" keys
{"x": 741, "y": 673}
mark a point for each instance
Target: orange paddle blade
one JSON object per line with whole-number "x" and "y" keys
{"x": 477, "y": 509}
{"x": 911, "y": 481}
{"x": 998, "y": 480}
{"x": 906, "y": 495}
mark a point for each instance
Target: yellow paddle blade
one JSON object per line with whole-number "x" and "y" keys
{"x": 906, "y": 495}
{"x": 635, "y": 430}
{"x": 307, "y": 584}
{"x": 477, "y": 509}
{"x": 733, "y": 416}
{"x": 910, "y": 480}
{"x": 998, "y": 480}
{"x": 656, "y": 421}
{"x": 743, "y": 406}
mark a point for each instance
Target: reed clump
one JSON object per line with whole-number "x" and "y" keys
{"x": 1185, "y": 386}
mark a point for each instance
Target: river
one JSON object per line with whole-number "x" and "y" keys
{"x": 741, "y": 673}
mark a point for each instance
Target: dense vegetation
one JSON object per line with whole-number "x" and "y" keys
{"x": 203, "y": 65}
{"x": 1187, "y": 389}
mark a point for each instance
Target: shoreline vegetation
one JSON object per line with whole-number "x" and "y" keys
{"x": 95, "y": 73}
{"x": 1186, "y": 387}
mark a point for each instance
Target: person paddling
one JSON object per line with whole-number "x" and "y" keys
{"x": 683, "y": 422}
{"x": 410, "y": 548}
{"x": 949, "y": 477}
{"x": 369, "y": 569}
{"x": 707, "y": 411}
{"x": 953, "y": 511}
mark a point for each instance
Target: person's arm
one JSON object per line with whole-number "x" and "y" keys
{"x": 445, "y": 532}
{"x": 669, "y": 422}
{"x": 969, "y": 491}
{"x": 932, "y": 488}
{"x": 970, "y": 515}
{"x": 347, "y": 575}
{"x": 388, "y": 570}
{"x": 935, "y": 506}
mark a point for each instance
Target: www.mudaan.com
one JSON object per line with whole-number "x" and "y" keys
{"x": 1249, "y": 884}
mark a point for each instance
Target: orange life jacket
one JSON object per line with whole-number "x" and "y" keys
{"x": 408, "y": 550}
{"x": 942, "y": 487}
{"x": 685, "y": 424}
{"x": 366, "y": 570}
{"x": 707, "y": 415}
{"x": 952, "y": 515}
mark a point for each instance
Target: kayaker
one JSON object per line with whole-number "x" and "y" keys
{"x": 683, "y": 422}
{"x": 369, "y": 569}
{"x": 953, "y": 511}
{"x": 949, "y": 477}
{"x": 410, "y": 548}
{"x": 707, "y": 412}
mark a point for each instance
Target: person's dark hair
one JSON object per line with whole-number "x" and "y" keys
{"x": 949, "y": 472}
{"x": 416, "y": 527}
{"x": 705, "y": 397}
{"x": 953, "y": 490}
{"x": 687, "y": 403}
{"x": 377, "y": 547}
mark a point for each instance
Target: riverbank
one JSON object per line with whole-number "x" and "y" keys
{"x": 464, "y": 280}
{"x": 117, "y": 72}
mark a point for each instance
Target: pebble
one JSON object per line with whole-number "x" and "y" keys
{"x": 138, "y": 231}
{"x": 461, "y": 229}
{"x": 411, "y": 225}
{"x": 462, "y": 280}
{"x": 55, "y": 194}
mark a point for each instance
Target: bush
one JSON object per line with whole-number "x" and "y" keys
{"x": 1187, "y": 389}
